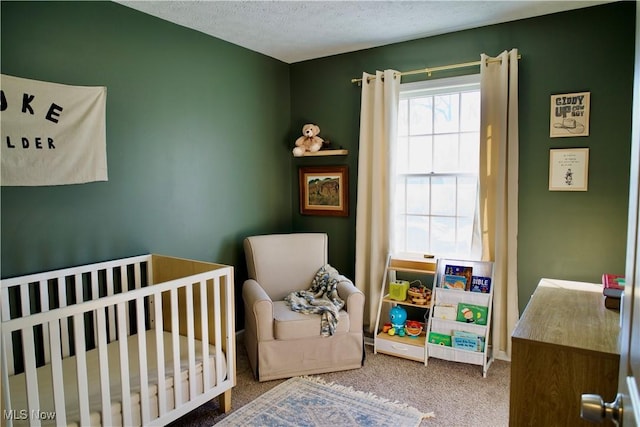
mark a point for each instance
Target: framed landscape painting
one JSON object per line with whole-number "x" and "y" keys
{"x": 324, "y": 190}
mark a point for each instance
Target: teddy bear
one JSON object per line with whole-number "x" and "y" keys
{"x": 309, "y": 141}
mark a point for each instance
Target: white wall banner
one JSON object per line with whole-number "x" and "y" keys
{"x": 52, "y": 134}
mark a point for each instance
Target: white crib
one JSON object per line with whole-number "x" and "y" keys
{"x": 135, "y": 341}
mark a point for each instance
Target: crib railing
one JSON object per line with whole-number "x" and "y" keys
{"x": 60, "y": 311}
{"x": 42, "y": 292}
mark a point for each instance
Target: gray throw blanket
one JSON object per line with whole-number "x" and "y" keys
{"x": 321, "y": 298}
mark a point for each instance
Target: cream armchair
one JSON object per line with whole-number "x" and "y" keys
{"x": 282, "y": 343}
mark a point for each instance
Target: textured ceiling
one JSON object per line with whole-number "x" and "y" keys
{"x": 294, "y": 31}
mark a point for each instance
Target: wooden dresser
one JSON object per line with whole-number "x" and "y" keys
{"x": 565, "y": 344}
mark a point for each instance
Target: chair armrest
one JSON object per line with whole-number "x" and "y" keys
{"x": 258, "y": 309}
{"x": 354, "y": 304}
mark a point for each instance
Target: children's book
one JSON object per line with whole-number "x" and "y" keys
{"x": 440, "y": 339}
{"x": 459, "y": 270}
{"x": 480, "y": 284}
{"x": 452, "y": 281}
{"x": 445, "y": 311}
{"x": 613, "y": 285}
{"x": 471, "y": 313}
{"x": 467, "y": 341}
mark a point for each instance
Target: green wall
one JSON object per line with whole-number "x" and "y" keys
{"x": 574, "y": 236}
{"x": 193, "y": 127}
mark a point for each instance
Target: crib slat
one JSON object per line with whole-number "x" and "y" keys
{"x": 81, "y": 368}
{"x": 152, "y": 317}
{"x": 105, "y": 386}
{"x": 175, "y": 345}
{"x": 56, "y": 373}
{"x": 33, "y": 398}
{"x": 95, "y": 294}
{"x": 204, "y": 325}
{"x": 124, "y": 365}
{"x": 29, "y": 355}
{"x": 6, "y": 314}
{"x": 230, "y": 325}
{"x": 6, "y": 338}
{"x": 191, "y": 350}
{"x": 217, "y": 334}
{"x": 7, "y": 347}
{"x": 162, "y": 386}
{"x": 142, "y": 359}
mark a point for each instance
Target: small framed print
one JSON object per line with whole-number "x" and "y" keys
{"x": 568, "y": 169}
{"x": 570, "y": 114}
{"x": 324, "y": 190}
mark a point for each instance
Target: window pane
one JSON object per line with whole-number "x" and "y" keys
{"x": 470, "y": 152}
{"x": 402, "y": 154}
{"x": 403, "y": 117}
{"x": 418, "y": 195}
{"x": 400, "y": 232}
{"x": 420, "y": 117}
{"x": 443, "y": 235}
{"x": 445, "y": 153}
{"x": 470, "y": 111}
{"x": 418, "y": 234}
{"x": 465, "y": 233}
{"x": 443, "y": 195}
{"x": 399, "y": 196}
{"x": 446, "y": 113}
{"x": 419, "y": 157}
{"x": 467, "y": 191}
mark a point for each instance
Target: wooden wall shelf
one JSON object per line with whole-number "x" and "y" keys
{"x": 326, "y": 153}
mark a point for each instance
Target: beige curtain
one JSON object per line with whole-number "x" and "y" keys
{"x": 378, "y": 128}
{"x": 499, "y": 190}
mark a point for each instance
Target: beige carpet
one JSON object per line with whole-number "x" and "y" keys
{"x": 455, "y": 392}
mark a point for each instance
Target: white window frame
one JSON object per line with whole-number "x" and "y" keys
{"x": 430, "y": 88}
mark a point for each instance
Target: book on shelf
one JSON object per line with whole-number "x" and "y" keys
{"x": 452, "y": 281}
{"x": 439, "y": 339}
{"x": 445, "y": 312}
{"x": 480, "y": 284}
{"x": 472, "y": 313}
{"x": 613, "y": 285}
{"x": 459, "y": 270}
{"x": 467, "y": 341}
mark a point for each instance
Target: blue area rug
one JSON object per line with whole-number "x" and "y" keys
{"x": 311, "y": 402}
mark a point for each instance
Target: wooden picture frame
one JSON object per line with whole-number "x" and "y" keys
{"x": 324, "y": 190}
{"x": 568, "y": 169}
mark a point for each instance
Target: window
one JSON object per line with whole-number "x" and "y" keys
{"x": 435, "y": 164}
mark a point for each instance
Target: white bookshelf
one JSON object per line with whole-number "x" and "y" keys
{"x": 447, "y": 327}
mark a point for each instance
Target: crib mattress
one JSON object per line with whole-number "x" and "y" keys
{"x": 17, "y": 383}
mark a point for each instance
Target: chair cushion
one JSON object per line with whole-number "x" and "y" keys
{"x": 291, "y": 325}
